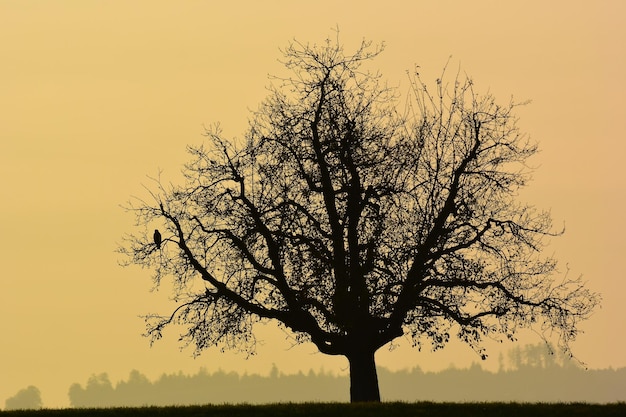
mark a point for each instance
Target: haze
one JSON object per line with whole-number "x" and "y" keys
{"x": 95, "y": 96}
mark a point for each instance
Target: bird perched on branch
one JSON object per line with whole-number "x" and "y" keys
{"x": 157, "y": 238}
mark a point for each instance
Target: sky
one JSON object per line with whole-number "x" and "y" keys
{"x": 97, "y": 96}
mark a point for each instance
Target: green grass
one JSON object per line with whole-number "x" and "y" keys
{"x": 345, "y": 410}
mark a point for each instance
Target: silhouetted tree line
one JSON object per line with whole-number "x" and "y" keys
{"x": 532, "y": 375}
{"x": 527, "y": 384}
{"x": 203, "y": 387}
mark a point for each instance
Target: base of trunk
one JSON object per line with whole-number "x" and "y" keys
{"x": 363, "y": 378}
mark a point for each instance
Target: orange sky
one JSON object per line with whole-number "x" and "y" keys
{"x": 96, "y": 95}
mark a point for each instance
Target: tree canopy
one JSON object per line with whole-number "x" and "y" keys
{"x": 351, "y": 220}
{"x": 26, "y": 399}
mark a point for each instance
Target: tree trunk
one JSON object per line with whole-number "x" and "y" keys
{"x": 363, "y": 377}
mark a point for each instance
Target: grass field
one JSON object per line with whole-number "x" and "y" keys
{"x": 345, "y": 410}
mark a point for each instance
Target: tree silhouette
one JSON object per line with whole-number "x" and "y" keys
{"x": 352, "y": 223}
{"x": 26, "y": 399}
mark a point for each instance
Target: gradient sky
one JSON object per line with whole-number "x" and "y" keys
{"x": 96, "y": 95}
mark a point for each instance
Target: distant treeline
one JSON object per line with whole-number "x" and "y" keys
{"x": 535, "y": 373}
{"x": 532, "y": 376}
{"x": 521, "y": 385}
{"x": 217, "y": 388}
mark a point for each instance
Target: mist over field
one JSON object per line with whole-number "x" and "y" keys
{"x": 529, "y": 374}
{"x": 527, "y": 384}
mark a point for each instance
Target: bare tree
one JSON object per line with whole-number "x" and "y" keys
{"x": 352, "y": 224}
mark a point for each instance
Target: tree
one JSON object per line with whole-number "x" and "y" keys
{"x": 26, "y": 399}
{"x": 352, "y": 223}
{"x": 97, "y": 392}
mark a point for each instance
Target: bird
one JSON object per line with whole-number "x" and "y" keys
{"x": 157, "y": 238}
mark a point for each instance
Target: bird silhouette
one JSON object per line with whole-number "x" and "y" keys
{"x": 157, "y": 238}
